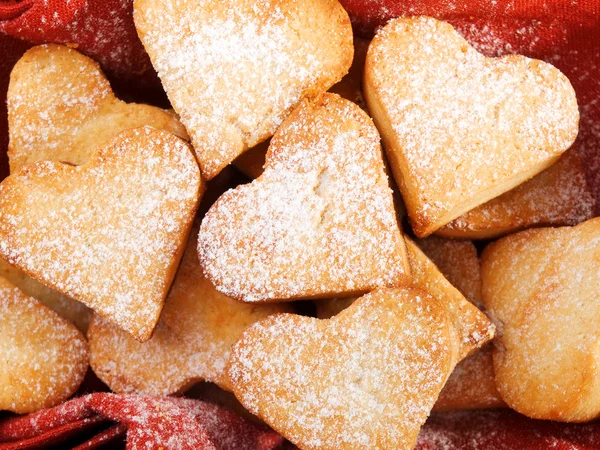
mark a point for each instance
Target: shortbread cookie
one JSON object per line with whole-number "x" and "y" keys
{"x": 367, "y": 378}
{"x": 61, "y": 108}
{"x": 473, "y": 326}
{"x": 234, "y": 70}
{"x": 458, "y": 262}
{"x": 539, "y": 286}
{"x": 109, "y": 233}
{"x": 558, "y": 196}
{"x": 350, "y": 87}
{"x": 319, "y": 222}
{"x": 192, "y": 341}
{"x": 68, "y": 308}
{"x": 460, "y": 128}
{"x": 43, "y": 357}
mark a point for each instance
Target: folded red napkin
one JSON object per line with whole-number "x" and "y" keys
{"x": 148, "y": 422}
{"x": 563, "y": 33}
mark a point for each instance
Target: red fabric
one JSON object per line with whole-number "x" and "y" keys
{"x": 563, "y": 33}
{"x": 101, "y": 29}
{"x": 504, "y": 430}
{"x": 151, "y": 422}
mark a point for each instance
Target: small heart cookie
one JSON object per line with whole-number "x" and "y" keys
{"x": 61, "y": 108}
{"x": 68, "y": 308}
{"x": 540, "y": 287}
{"x": 234, "y": 70}
{"x": 192, "y": 340}
{"x": 367, "y": 378}
{"x": 460, "y": 128}
{"x": 43, "y": 357}
{"x": 558, "y": 196}
{"x": 109, "y": 233}
{"x": 320, "y": 220}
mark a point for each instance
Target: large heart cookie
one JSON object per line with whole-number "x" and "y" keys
{"x": 367, "y": 378}
{"x": 320, "y": 220}
{"x": 558, "y": 196}
{"x": 61, "y": 108}
{"x": 192, "y": 340}
{"x": 459, "y": 128}
{"x": 43, "y": 357}
{"x": 234, "y": 70}
{"x": 109, "y": 233}
{"x": 540, "y": 286}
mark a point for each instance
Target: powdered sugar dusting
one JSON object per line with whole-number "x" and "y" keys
{"x": 108, "y": 233}
{"x": 463, "y": 124}
{"x": 234, "y": 70}
{"x": 192, "y": 340}
{"x": 364, "y": 379}
{"x": 320, "y": 220}
{"x": 43, "y": 357}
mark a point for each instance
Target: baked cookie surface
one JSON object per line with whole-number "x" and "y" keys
{"x": 62, "y": 108}
{"x": 320, "y": 220}
{"x": 234, "y": 70}
{"x": 459, "y": 128}
{"x": 109, "y": 233}
{"x": 43, "y": 357}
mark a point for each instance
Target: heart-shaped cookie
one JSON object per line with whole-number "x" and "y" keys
{"x": 43, "y": 357}
{"x": 460, "y": 128}
{"x": 558, "y": 196}
{"x": 109, "y": 233}
{"x": 471, "y": 384}
{"x": 192, "y": 340}
{"x": 61, "y": 108}
{"x": 367, "y": 378}
{"x": 234, "y": 70}
{"x": 540, "y": 287}
{"x": 320, "y": 220}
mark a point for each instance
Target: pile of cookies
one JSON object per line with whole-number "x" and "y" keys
{"x": 101, "y": 236}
